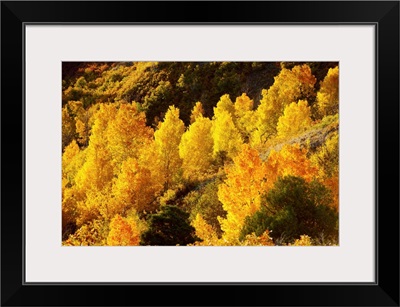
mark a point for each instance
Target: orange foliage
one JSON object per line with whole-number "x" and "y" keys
{"x": 123, "y": 232}
{"x": 290, "y": 160}
{"x": 240, "y": 194}
{"x": 263, "y": 240}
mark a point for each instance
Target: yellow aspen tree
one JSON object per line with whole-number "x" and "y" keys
{"x": 240, "y": 193}
{"x": 94, "y": 178}
{"x": 83, "y": 124}
{"x": 289, "y": 85}
{"x": 126, "y": 134}
{"x": 296, "y": 118}
{"x": 81, "y": 120}
{"x": 224, "y": 104}
{"x": 82, "y": 132}
{"x": 97, "y": 170}
{"x": 196, "y": 149}
{"x": 72, "y": 160}
{"x": 95, "y": 205}
{"x": 328, "y": 94}
{"x": 227, "y": 138}
{"x": 244, "y": 116}
{"x": 167, "y": 139}
{"x": 242, "y": 105}
{"x": 151, "y": 159}
{"x": 123, "y": 232}
{"x": 204, "y": 231}
{"x": 134, "y": 188}
{"x": 197, "y": 111}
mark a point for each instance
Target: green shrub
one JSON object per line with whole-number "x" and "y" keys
{"x": 294, "y": 208}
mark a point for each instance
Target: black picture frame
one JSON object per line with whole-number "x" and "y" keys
{"x": 383, "y": 14}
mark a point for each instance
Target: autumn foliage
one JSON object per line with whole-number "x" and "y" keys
{"x": 195, "y": 154}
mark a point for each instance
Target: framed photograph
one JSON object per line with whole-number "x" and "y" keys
{"x": 200, "y": 153}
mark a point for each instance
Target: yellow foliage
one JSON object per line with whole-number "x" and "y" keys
{"x": 94, "y": 205}
{"x": 243, "y": 104}
{"x": 134, "y": 188}
{"x": 263, "y": 240}
{"x": 84, "y": 122}
{"x": 327, "y": 156}
{"x": 114, "y": 166}
{"x": 240, "y": 193}
{"x": 167, "y": 140}
{"x": 133, "y": 75}
{"x": 196, "y": 149}
{"x": 328, "y": 95}
{"x": 197, "y": 111}
{"x": 244, "y": 116}
{"x": 97, "y": 171}
{"x": 124, "y": 231}
{"x": 69, "y": 204}
{"x": 226, "y": 136}
{"x": 101, "y": 120}
{"x": 224, "y": 104}
{"x": 205, "y": 232}
{"x": 92, "y": 234}
{"x": 290, "y": 85}
{"x": 295, "y": 119}
{"x": 327, "y": 160}
{"x": 167, "y": 196}
{"x": 150, "y": 159}
{"x": 290, "y": 160}
{"x": 126, "y": 134}
{"x": 303, "y": 241}
{"x": 72, "y": 160}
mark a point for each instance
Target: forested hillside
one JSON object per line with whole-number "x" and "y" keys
{"x": 200, "y": 153}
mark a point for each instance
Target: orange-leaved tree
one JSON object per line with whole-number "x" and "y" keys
{"x": 240, "y": 193}
{"x": 124, "y": 231}
{"x": 292, "y": 160}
